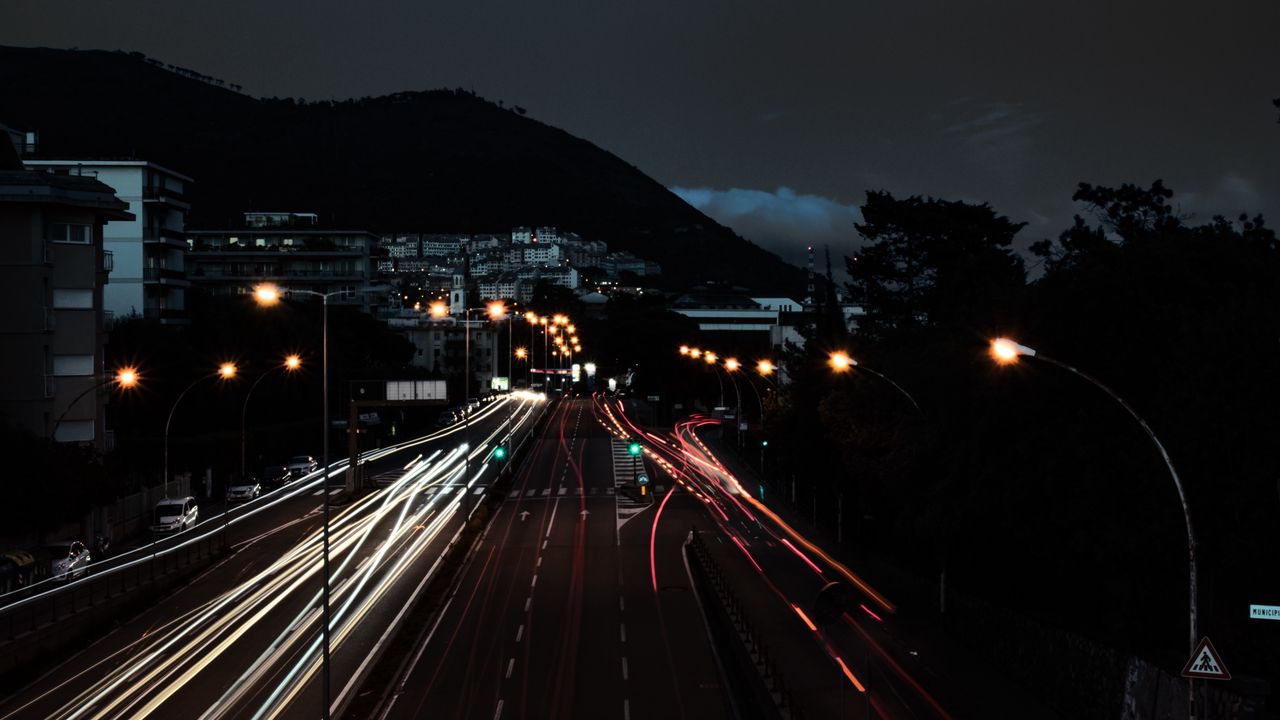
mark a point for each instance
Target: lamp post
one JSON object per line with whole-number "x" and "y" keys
{"x": 496, "y": 311}
{"x": 226, "y": 371}
{"x": 268, "y": 295}
{"x": 291, "y": 363}
{"x": 1006, "y": 352}
{"x": 125, "y": 377}
{"x": 841, "y": 362}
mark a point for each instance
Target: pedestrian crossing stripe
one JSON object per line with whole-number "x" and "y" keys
{"x": 1206, "y": 663}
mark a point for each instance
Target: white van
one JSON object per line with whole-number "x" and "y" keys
{"x": 174, "y": 515}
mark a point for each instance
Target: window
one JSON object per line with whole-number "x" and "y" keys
{"x": 70, "y": 232}
{"x": 72, "y": 365}
{"x": 74, "y": 431}
{"x": 73, "y": 299}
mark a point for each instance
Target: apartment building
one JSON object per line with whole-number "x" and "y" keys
{"x": 149, "y": 276}
{"x": 294, "y": 254}
{"x": 53, "y": 269}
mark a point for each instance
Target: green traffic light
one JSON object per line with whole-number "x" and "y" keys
{"x": 764, "y": 443}
{"x": 499, "y": 452}
{"x": 634, "y": 448}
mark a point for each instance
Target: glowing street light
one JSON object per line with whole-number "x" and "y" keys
{"x": 266, "y": 294}
{"x": 695, "y": 353}
{"x": 227, "y": 370}
{"x": 292, "y": 362}
{"x": 1006, "y": 351}
{"x": 496, "y": 310}
{"x": 125, "y": 378}
{"x": 439, "y": 309}
{"x": 731, "y": 364}
{"x": 522, "y": 353}
{"x": 710, "y": 358}
{"x": 840, "y": 361}
{"x": 684, "y": 349}
{"x": 764, "y": 367}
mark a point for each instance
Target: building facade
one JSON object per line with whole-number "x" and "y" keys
{"x": 297, "y": 257}
{"x": 53, "y": 269}
{"x": 149, "y": 276}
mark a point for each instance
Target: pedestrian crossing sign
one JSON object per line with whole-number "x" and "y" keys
{"x": 1206, "y": 663}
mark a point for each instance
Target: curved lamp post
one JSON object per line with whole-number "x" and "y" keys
{"x": 125, "y": 377}
{"x": 1006, "y": 352}
{"x": 226, "y": 371}
{"x": 841, "y": 362}
{"x": 291, "y": 363}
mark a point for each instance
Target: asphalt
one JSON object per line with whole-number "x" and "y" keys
{"x": 197, "y": 648}
{"x": 556, "y": 615}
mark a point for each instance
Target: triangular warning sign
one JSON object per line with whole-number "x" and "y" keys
{"x": 1206, "y": 663}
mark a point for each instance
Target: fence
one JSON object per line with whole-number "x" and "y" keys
{"x": 38, "y": 628}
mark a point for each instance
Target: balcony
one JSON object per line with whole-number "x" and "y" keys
{"x": 160, "y": 193}
{"x": 164, "y": 275}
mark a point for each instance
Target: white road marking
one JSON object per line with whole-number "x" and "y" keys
{"x": 624, "y": 668}
{"x": 498, "y": 713}
{"x": 510, "y": 666}
{"x": 527, "y": 602}
{"x": 626, "y": 709}
{"x": 622, "y": 628}
{"x": 519, "y": 633}
{"x": 535, "y": 581}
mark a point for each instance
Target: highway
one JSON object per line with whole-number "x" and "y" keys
{"x": 556, "y": 615}
{"x": 243, "y": 638}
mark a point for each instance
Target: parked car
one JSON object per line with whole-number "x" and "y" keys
{"x": 243, "y": 490}
{"x": 303, "y": 464}
{"x": 19, "y": 569}
{"x": 173, "y": 515}
{"x": 274, "y": 476}
{"x": 69, "y": 559}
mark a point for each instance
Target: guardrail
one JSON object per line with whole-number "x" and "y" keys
{"x": 36, "y": 629}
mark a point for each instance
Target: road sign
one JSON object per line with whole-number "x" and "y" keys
{"x": 1206, "y": 663}
{"x": 1264, "y": 612}
{"x": 642, "y": 479}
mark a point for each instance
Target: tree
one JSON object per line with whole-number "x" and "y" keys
{"x": 931, "y": 263}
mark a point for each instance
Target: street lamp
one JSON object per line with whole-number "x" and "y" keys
{"x": 1007, "y": 352}
{"x": 841, "y": 362}
{"x": 226, "y": 371}
{"x": 125, "y": 378}
{"x": 765, "y": 367}
{"x": 267, "y": 295}
{"x": 291, "y": 363}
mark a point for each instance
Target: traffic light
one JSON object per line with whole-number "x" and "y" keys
{"x": 634, "y": 448}
{"x": 500, "y": 452}
{"x": 764, "y": 443}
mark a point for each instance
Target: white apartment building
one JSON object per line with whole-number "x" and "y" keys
{"x": 442, "y": 245}
{"x": 149, "y": 277}
{"x": 519, "y": 255}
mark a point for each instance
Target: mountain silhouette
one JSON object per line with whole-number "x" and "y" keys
{"x": 433, "y": 161}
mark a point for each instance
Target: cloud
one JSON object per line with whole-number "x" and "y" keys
{"x": 781, "y": 221}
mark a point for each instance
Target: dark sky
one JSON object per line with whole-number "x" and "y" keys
{"x": 774, "y": 116}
